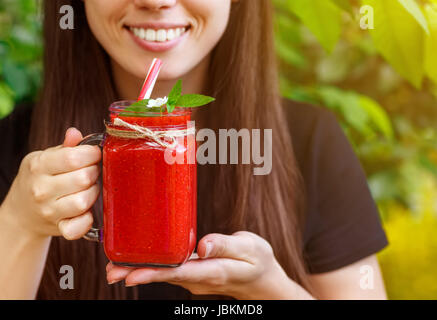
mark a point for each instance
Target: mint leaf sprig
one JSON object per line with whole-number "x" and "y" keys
{"x": 175, "y": 99}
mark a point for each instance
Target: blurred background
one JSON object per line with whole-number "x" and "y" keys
{"x": 380, "y": 82}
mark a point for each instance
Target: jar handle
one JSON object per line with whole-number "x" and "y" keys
{"x": 94, "y": 234}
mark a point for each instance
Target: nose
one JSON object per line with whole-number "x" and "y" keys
{"x": 155, "y": 4}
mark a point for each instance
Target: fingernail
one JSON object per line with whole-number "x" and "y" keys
{"x": 68, "y": 130}
{"x": 130, "y": 285}
{"x": 113, "y": 281}
{"x": 208, "y": 249}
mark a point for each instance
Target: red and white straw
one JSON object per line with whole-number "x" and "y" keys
{"x": 149, "y": 83}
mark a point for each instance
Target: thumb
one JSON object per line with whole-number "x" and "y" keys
{"x": 72, "y": 137}
{"x": 221, "y": 246}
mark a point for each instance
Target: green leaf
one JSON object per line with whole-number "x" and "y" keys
{"x": 290, "y": 55}
{"x": 431, "y": 43}
{"x": 138, "y": 109}
{"x": 288, "y": 38}
{"x": 151, "y": 112}
{"x": 170, "y": 107}
{"x": 400, "y": 38}
{"x": 322, "y": 17}
{"x": 175, "y": 93}
{"x": 427, "y": 164}
{"x": 193, "y": 100}
{"x": 344, "y": 4}
{"x": 17, "y": 78}
{"x": 141, "y": 103}
{"x": 413, "y": 8}
{"x": 378, "y": 116}
{"x": 347, "y": 103}
{"x": 6, "y": 100}
{"x": 360, "y": 112}
{"x": 187, "y": 101}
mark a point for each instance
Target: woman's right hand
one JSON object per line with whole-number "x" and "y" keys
{"x": 55, "y": 189}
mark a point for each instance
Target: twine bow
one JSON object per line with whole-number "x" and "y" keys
{"x": 139, "y": 132}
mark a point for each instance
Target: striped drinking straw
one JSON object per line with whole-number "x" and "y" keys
{"x": 149, "y": 83}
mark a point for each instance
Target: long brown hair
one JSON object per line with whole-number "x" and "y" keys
{"x": 243, "y": 77}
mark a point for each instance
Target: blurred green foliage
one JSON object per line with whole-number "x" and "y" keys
{"x": 390, "y": 122}
{"x": 20, "y": 52}
{"x": 381, "y": 83}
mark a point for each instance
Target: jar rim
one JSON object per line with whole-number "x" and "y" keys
{"x": 164, "y": 127}
{"x": 120, "y": 106}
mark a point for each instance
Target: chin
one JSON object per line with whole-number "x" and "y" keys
{"x": 168, "y": 75}
{"x": 172, "y": 69}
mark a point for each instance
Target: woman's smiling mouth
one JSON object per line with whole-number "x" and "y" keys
{"x": 158, "y": 37}
{"x": 161, "y": 35}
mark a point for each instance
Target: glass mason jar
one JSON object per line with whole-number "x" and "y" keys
{"x": 149, "y": 202}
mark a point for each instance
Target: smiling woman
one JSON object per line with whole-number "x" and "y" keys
{"x": 301, "y": 232}
{"x": 132, "y": 32}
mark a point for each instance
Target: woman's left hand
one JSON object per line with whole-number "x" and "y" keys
{"x": 241, "y": 266}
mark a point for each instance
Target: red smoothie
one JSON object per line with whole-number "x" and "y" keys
{"x": 149, "y": 205}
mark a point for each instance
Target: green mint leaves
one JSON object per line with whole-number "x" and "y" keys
{"x": 138, "y": 109}
{"x": 193, "y": 100}
{"x": 140, "y": 104}
{"x": 174, "y": 96}
{"x": 175, "y": 99}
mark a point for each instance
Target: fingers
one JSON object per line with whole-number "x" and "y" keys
{"x": 72, "y": 137}
{"x": 239, "y": 246}
{"x": 76, "y": 228}
{"x": 73, "y": 182}
{"x": 55, "y": 161}
{"x": 57, "y": 184}
{"x": 238, "y": 259}
{"x": 66, "y": 158}
{"x": 232, "y": 250}
{"x": 115, "y": 273}
{"x": 193, "y": 271}
{"x": 75, "y": 204}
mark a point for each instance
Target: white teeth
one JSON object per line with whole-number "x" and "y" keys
{"x": 160, "y": 35}
{"x": 142, "y": 33}
{"x": 150, "y": 35}
{"x": 171, "y": 35}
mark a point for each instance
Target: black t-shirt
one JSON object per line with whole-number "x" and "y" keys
{"x": 342, "y": 221}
